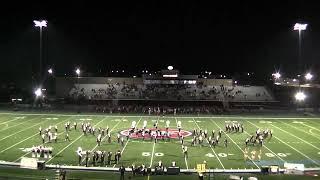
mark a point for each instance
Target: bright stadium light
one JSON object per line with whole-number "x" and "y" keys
{"x": 300, "y": 27}
{"x": 276, "y": 75}
{"x": 38, "y": 92}
{"x": 308, "y": 76}
{"x": 78, "y": 71}
{"x": 300, "y": 96}
{"x": 50, "y": 71}
{"x": 41, "y": 23}
{"x": 170, "y": 68}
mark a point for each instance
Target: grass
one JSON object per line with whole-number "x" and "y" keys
{"x": 295, "y": 140}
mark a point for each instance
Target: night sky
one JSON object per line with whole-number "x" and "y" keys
{"x": 193, "y": 36}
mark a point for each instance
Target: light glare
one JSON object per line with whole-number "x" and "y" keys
{"x": 38, "y": 92}
{"x": 300, "y": 96}
{"x": 308, "y": 76}
{"x": 276, "y": 75}
{"x": 299, "y": 27}
{"x": 78, "y": 71}
{"x": 42, "y": 23}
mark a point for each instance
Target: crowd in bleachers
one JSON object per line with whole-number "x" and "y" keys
{"x": 159, "y": 110}
{"x": 170, "y": 92}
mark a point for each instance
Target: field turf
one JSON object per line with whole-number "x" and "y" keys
{"x": 294, "y": 140}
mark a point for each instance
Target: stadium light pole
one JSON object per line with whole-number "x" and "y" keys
{"x": 300, "y": 27}
{"x": 40, "y": 24}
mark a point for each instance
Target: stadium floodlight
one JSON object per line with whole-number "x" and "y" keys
{"x": 78, "y": 71}
{"x": 170, "y": 68}
{"x": 41, "y": 23}
{"x": 300, "y": 96}
{"x": 308, "y": 76}
{"x": 38, "y": 92}
{"x": 50, "y": 71}
{"x": 276, "y": 75}
{"x": 300, "y": 27}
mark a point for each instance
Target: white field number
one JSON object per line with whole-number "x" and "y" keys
{"x": 279, "y": 154}
{"x": 220, "y": 155}
{"x": 149, "y": 154}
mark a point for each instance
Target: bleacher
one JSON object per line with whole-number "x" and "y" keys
{"x": 170, "y": 92}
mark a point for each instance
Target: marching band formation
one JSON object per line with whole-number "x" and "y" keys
{"x": 94, "y": 157}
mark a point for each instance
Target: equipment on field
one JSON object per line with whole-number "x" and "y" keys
{"x": 173, "y": 170}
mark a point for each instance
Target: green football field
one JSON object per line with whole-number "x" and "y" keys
{"x": 294, "y": 140}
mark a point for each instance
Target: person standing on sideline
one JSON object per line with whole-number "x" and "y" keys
{"x": 121, "y": 170}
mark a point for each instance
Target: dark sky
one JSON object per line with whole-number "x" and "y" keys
{"x": 194, "y": 36}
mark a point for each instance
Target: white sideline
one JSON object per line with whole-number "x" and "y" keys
{"x": 290, "y": 146}
{"x": 72, "y": 142}
{"x": 210, "y": 146}
{"x": 234, "y": 143}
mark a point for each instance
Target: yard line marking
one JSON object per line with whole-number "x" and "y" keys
{"x": 127, "y": 142}
{"x": 182, "y": 117}
{"x": 234, "y": 142}
{"x": 24, "y": 140}
{"x": 310, "y": 131}
{"x": 269, "y": 149}
{"x": 73, "y": 141}
{"x": 210, "y": 147}
{"x": 103, "y": 137}
{"x": 18, "y": 124}
{"x": 301, "y": 130}
{"x": 152, "y": 154}
{"x": 296, "y": 137}
{"x": 185, "y": 159}
{"x": 14, "y": 119}
{"x": 176, "y": 121}
{"x": 290, "y": 146}
{"x": 38, "y": 133}
{"x": 23, "y": 130}
{"x": 154, "y": 143}
{"x": 310, "y": 127}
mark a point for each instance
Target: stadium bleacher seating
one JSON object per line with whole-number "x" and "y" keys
{"x": 171, "y": 92}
